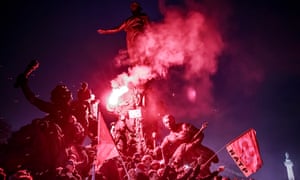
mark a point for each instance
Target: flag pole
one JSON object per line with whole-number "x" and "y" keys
{"x": 99, "y": 125}
{"x": 215, "y": 154}
{"x": 124, "y": 166}
{"x": 98, "y": 141}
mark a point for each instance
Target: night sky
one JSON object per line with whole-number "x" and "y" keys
{"x": 254, "y": 81}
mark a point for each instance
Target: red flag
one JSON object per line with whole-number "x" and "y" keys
{"x": 106, "y": 148}
{"x": 245, "y": 152}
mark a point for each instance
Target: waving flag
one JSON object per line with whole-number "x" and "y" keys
{"x": 106, "y": 148}
{"x": 245, "y": 152}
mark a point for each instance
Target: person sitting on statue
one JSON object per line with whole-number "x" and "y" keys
{"x": 58, "y": 109}
{"x": 134, "y": 26}
{"x": 82, "y": 109}
{"x": 179, "y": 133}
{"x": 81, "y": 106}
{"x": 183, "y": 139}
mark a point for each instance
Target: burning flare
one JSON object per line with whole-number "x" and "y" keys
{"x": 116, "y": 93}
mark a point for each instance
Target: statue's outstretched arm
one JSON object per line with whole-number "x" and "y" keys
{"x": 112, "y": 30}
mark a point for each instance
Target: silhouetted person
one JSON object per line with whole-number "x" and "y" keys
{"x": 82, "y": 108}
{"x": 134, "y": 26}
{"x": 69, "y": 172}
{"x": 58, "y": 109}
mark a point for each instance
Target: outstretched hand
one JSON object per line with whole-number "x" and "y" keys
{"x": 101, "y": 31}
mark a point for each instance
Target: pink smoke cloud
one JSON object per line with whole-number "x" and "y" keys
{"x": 182, "y": 38}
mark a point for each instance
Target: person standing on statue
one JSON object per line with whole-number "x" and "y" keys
{"x": 134, "y": 26}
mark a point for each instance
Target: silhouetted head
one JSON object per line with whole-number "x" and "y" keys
{"x": 135, "y": 7}
{"x": 61, "y": 95}
{"x": 84, "y": 93}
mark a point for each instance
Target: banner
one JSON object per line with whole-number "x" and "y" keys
{"x": 245, "y": 152}
{"x": 106, "y": 148}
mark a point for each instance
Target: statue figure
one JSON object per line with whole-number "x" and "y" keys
{"x": 134, "y": 26}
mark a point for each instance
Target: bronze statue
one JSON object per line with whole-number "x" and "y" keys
{"x": 134, "y": 26}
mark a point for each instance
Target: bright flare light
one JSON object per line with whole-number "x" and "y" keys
{"x": 113, "y": 99}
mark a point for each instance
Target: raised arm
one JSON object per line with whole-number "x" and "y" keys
{"x": 22, "y": 81}
{"x": 200, "y": 131}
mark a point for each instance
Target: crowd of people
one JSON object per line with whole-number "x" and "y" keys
{"x": 54, "y": 146}
{"x": 55, "y": 140}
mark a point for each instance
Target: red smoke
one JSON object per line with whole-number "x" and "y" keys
{"x": 184, "y": 39}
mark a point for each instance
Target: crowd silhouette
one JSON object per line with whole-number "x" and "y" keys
{"x": 53, "y": 147}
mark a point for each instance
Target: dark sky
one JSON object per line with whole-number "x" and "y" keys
{"x": 256, "y": 83}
